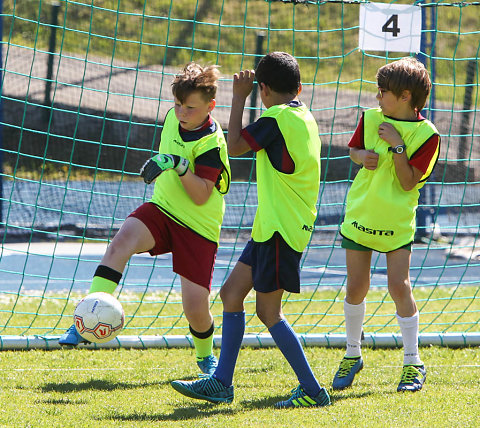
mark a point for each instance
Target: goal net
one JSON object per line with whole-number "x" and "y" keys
{"x": 85, "y": 87}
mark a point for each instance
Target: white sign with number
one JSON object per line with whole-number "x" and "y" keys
{"x": 390, "y": 27}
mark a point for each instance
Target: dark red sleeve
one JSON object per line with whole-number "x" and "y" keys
{"x": 423, "y": 156}
{"x": 207, "y": 172}
{"x": 209, "y": 165}
{"x": 357, "y": 138}
{"x": 250, "y": 140}
{"x": 262, "y": 133}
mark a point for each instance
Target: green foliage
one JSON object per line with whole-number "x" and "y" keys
{"x": 173, "y": 32}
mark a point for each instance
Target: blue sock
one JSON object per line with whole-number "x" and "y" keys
{"x": 233, "y": 328}
{"x": 287, "y": 341}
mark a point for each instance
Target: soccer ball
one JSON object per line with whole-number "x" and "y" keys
{"x": 99, "y": 317}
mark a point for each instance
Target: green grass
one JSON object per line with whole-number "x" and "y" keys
{"x": 130, "y": 388}
{"x": 443, "y": 309}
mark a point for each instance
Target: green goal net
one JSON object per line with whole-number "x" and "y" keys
{"x": 85, "y": 86}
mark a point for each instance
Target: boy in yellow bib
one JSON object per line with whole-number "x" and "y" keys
{"x": 285, "y": 139}
{"x": 185, "y": 213}
{"x": 398, "y": 149}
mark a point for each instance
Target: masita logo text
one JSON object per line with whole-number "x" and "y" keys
{"x": 371, "y": 231}
{"x": 179, "y": 142}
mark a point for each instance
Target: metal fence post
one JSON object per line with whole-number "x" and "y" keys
{"x": 51, "y": 49}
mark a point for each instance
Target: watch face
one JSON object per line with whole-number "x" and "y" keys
{"x": 399, "y": 149}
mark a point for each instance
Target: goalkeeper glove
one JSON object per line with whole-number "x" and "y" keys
{"x": 153, "y": 167}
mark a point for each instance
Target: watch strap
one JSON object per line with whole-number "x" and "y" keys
{"x": 398, "y": 149}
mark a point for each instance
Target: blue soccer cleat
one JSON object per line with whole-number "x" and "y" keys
{"x": 413, "y": 378}
{"x": 71, "y": 337}
{"x": 346, "y": 372}
{"x": 300, "y": 398}
{"x": 208, "y": 389}
{"x": 208, "y": 364}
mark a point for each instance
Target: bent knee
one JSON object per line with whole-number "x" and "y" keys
{"x": 268, "y": 316}
{"x": 400, "y": 288}
{"x": 120, "y": 246}
{"x": 232, "y": 302}
{"x": 227, "y": 297}
{"x": 201, "y": 316}
{"x": 399, "y": 284}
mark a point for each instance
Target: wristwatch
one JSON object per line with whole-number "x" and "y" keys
{"x": 398, "y": 149}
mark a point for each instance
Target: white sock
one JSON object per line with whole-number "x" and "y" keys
{"x": 409, "y": 329}
{"x": 354, "y": 316}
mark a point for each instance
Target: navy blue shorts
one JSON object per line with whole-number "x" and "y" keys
{"x": 275, "y": 265}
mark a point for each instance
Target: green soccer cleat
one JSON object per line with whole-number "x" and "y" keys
{"x": 300, "y": 398}
{"x": 208, "y": 389}
{"x": 347, "y": 370}
{"x": 413, "y": 378}
{"x": 208, "y": 365}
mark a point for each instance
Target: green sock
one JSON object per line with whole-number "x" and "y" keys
{"x": 105, "y": 279}
{"x": 203, "y": 342}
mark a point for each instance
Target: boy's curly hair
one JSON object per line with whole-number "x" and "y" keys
{"x": 279, "y": 71}
{"x": 193, "y": 78}
{"x": 406, "y": 74}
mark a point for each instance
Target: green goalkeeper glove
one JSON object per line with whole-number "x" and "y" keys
{"x": 153, "y": 167}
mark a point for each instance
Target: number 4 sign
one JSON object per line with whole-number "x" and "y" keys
{"x": 390, "y": 27}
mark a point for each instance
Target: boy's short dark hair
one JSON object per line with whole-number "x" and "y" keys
{"x": 406, "y": 74}
{"x": 279, "y": 71}
{"x": 193, "y": 78}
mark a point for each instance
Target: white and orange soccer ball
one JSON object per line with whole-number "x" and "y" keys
{"x": 99, "y": 317}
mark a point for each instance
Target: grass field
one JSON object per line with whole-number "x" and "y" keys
{"x": 319, "y": 311}
{"x": 131, "y": 388}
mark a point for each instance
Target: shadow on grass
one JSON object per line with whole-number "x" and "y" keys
{"x": 263, "y": 403}
{"x": 269, "y": 402}
{"x": 255, "y": 370}
{"x": 339, "y": 396}
{"x": 206, "y": 410}
{"x": 95, "y": 384}
{"x": 201, "y": 411}
{"x": 60, "y": 401}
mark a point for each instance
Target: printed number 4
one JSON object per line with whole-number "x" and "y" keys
{"x": 391, "y": 26}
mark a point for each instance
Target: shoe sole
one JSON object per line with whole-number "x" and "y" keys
{"x": 282, "y": 406}
{"x": 405, "y": 389}
{"x": 187, "y": 392}
{"x": 340, "y": 388}
{"x": 73, "y": 345}
{"x": 414, "y": 390}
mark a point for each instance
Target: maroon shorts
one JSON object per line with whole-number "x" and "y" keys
{"x": 193, "y": 255}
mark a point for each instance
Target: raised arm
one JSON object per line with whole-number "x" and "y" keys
{"x": 242, "y": 86}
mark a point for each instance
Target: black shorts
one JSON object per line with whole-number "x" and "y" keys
{"x": 348, "y": 244}
{"x": 275, "y": 265}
